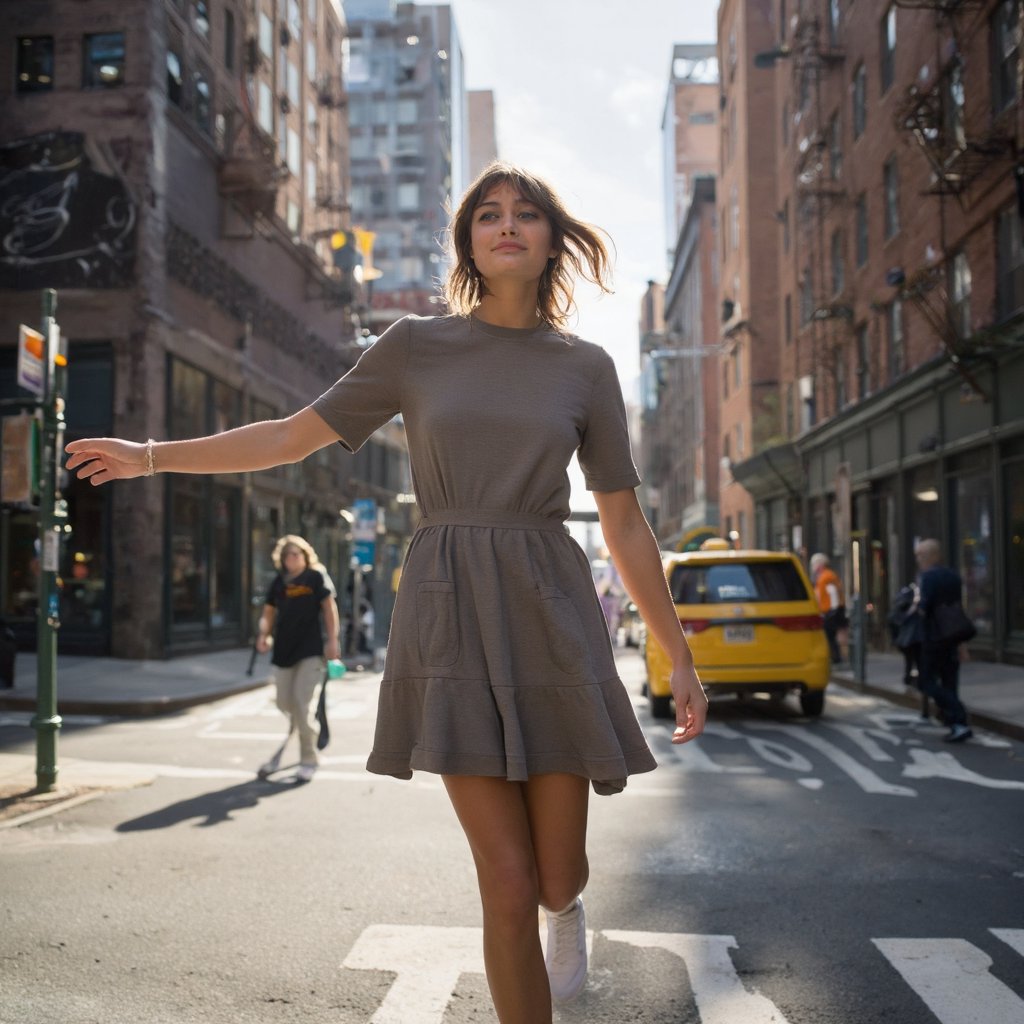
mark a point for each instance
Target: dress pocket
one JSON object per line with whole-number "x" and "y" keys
{"x": 437, "y": 624}
{"x": 564, "y": 630}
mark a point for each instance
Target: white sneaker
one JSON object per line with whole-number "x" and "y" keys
{"x": 305, "y": 772}
{"x": 566, "y": 957}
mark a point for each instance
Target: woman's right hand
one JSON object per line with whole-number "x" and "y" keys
{"x": 100, "y": 459}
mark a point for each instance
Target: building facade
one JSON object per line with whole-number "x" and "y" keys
{"x": 901, "y": 277}
{"x": 483, "y": 137}
{"x": 748, "y": 290}
{"x": 177, "y": 171}
{"x": 408, "y": 118}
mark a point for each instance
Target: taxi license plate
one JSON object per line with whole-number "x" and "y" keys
{"x": 739, "y": 634}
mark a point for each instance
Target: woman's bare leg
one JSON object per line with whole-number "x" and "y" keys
{"x": 493, "y": 814}
{"x": 557, "y": 806}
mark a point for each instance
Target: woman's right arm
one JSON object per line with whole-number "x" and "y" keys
{"x": 253, "y": 447}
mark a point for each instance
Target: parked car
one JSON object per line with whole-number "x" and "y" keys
{"x": 752, "y": 623}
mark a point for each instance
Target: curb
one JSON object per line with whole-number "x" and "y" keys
{"x": 912, "y": 699}
{"x": 131, "y": 708}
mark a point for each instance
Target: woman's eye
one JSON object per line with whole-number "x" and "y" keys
{"x": 528, "y": 215}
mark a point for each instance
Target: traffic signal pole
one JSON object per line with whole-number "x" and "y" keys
{"x": 46, "y": 721}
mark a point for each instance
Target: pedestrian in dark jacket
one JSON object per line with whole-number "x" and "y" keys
{"x": 940, "y": 658}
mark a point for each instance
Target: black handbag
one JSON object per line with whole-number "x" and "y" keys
{"x": 952, "y": 626}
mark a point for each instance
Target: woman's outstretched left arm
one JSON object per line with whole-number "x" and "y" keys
{"x": 637, "y": 558}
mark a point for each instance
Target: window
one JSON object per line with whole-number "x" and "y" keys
{"x": 960, "y": 293}
{"x": 201, "y": 18}
{"x": 282, "y": 138}
{"x": 311, "y": 59}
{"x": 787, "y": 319}
{"x": 860, "y": 110}
{"x": 311, "y": 181}
{"x": 175, "y": 78}
{"x": 103, "y": 60}
{"x": 838, "y": 263}
{"x": 294, "y": 18}
{"x": 835, "y": 148}
{"x": 408, "y": 197}
{"x": 293, "y": 87}
{"x": 407, "y": 111}
{"x": 860, "y": 216}
{"x": 953, "y": 85}
{"x": 782, "y": 21}
{"x": 702, "y": 117}
{"x": 806, "y": 298}
{"x": 739, "y": 441}
{"x": 863, "y": 362}
{"x": 725, "y": 381}
{"x": 229, "y": 40}
{"x": 1005, "y": 54}
{"x": 891, "y": 185}
{"x": 202, "y": 101}
{"x": 734, "y": 217}
{"x": 897, "y": 348}
{"x": 737, "y": 366}
{"x": 833, "y": 22}
{"x": 887, "y": 49}
{"x": 293, "y": 217}
{"x": 726, "y": 449}
{"x": 266, "y": 35}
{"x": 311, "y": 124}
{"x": 311, "y": 10}
{"x": 294, "y": 152}
{"x": 1009, "y": 264}
{"x": 35, "y": 63}
{"x": 265, "y": 108}
{"x": 732, "y": 581}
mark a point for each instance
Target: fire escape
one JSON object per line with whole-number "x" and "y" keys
{"x": 959, "y": 153}
{"x": 818, "y": 194}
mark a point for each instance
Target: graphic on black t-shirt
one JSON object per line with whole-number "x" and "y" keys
{"x": 297, "y": 630}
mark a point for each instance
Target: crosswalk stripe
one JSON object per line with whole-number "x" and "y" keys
{"x": 952, "y": 978}
{"x": 717, "y": 989}
{"x": 1013, "y": 937}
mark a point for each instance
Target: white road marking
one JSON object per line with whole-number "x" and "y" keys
{"x": 952, "y": 978}
{"x": 1013, "y": 937}
{"x": 864, "y": 777}
{"x": 428, "y": 962}
{"x": 811, "y": 783}
{"x": 719, "y": 993}
{"x": 932, "y": 764}
{"x": 779, "y": 755}
{"x": 865, "y": 739}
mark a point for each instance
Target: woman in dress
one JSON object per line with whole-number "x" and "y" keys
{"x": 499, "y": 675}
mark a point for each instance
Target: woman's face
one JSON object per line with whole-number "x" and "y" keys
{"x": 293, "y": 560}
{"x": 510, "y": 238}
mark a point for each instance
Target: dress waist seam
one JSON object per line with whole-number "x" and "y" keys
{"x": 499, "y": 519}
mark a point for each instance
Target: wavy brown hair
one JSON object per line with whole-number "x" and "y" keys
{"x": 581, "y": 251}
{"x": 293, "y": 540}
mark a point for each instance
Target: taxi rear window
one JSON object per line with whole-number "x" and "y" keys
{"x": 722, "y": 584}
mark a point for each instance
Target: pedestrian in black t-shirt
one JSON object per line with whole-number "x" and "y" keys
{"x": 940, "y": 659}
{"x": 298, "y": 597}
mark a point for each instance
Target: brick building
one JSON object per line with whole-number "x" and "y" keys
{"x": 177, "y": 170}
{"x": 901, "y": 279}
{"x": 749, "y": 363}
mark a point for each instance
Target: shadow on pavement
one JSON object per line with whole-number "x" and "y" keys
{"x": 213, "y": 808}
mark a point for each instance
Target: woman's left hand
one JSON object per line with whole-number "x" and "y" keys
{"x": 691, "y": 703}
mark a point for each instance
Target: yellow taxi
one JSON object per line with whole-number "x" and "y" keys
{"x": 752, "y": 623}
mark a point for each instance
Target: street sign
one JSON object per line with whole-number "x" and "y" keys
{"x": 31, "y": 350}
{"x": 364, "y": 530}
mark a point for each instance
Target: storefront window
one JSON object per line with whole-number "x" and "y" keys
{"x": 225, "y": 558}
{"x": 188, "y": 402}
{"x": 1015, "y": 547}
{"x": 925, "y": 520}
{"x": 970, "y": 498}
{"x": 188, "y": 575}
{"x": 83, "y": 560}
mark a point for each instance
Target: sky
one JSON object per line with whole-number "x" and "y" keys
{"x": 580, "y": 88}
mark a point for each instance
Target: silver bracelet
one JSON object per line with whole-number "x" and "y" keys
{"x": 150, "y": 461}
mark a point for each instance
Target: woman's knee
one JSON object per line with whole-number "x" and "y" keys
{"x": 509, "y": 891}
{"x": 559, "y": 885}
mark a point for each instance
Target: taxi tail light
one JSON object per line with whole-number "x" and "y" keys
{"x": 799, "y": 623}
{"x": 691, "y": 626}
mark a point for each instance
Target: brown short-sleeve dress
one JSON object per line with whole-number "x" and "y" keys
{"x": 499, "y": 661}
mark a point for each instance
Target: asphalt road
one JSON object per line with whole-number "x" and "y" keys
{"x": 851, "y": 870}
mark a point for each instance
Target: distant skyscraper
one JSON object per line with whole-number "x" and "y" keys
{"x": 689, "y": 130}
{"x": 409, "y": 154}
{"x": 483, "y": 141}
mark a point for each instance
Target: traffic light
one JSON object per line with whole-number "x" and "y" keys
{"x": 343, "y": 251}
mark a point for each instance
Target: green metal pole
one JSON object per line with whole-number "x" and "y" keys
{"x": 46, "y": 721}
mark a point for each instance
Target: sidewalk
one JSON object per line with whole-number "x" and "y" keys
{"x": 992, "y": 693}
